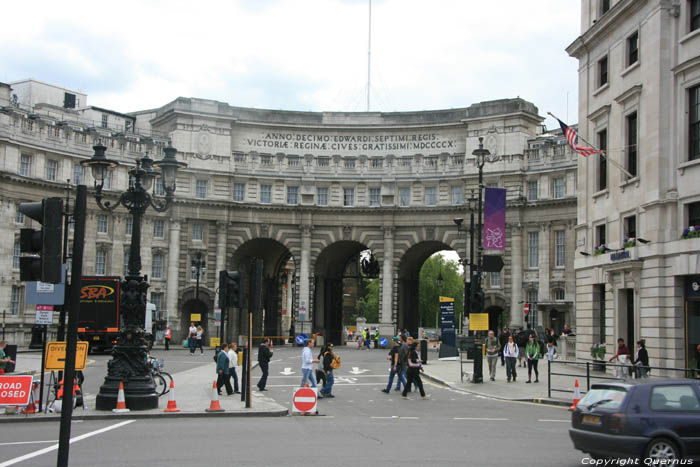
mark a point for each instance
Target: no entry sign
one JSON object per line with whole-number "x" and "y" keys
{"x": 15, "y": 390}
{"x": 304, "y": 400}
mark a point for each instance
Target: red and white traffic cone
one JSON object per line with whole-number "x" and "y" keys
{"x": 172, "y": 406}
{"x": 214, "y": 406}
{"x": 33, "y": 406}
{"x": 577, "y": 396}
{"x": 121, "y": 400}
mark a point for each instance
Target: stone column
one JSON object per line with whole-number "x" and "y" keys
{"x": 387, "y": 275}
{"x": 304, "y": 270}
{"x": 516, "y": 276}
{"x": 543, "y": 267}
{"x": 221, "y": 229}
{"x": 173, "y": 276}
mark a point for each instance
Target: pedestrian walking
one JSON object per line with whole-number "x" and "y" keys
{"x": 264, "y": 356}
{"x": 551, "y": 351}
{"x": 395, "y": 367}
{"x": 222, "y": 378}
{"x": 510, "y": 351}
{"x": 192, "y": 338}
{"x": 168, "y": 335}
{"x": 641, "y": 360}
{"x": 320, "y": 374}
{"x": 329, "y": 364}
{"x": 4, "y": 359}
{"x": 307, "y": 366}
{"x": 406, "y": 341}
{"x": 502, "y": 341}
{"x": 413, "y": 372}
{"x": 532, "y": 353}
{"x": 232, "y": 364}
{"x": 199, "y": 335}
{"x": 622, "y": 356}
{"x": 492, "y": 351}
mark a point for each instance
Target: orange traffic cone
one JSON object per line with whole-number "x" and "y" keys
{"x": 33, "y": 406}
{"x": 172, "y": 406}
{"x": 214, "y": 406}
{"x": 121, "y": 401}
{"x": 577, "y": 396}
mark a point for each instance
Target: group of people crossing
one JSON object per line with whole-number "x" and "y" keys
{"x": 406, "y": 366}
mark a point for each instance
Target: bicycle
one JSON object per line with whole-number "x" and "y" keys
{"x": 161, "y": 379}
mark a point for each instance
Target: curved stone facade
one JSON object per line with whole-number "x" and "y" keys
{"x": 309, "y": 189}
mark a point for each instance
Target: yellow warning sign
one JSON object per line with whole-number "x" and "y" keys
{"x": 195, "y": 317}
{"x": 56, "y": 356}
{"x": 214, "y": 341}
{"x": 478, "y": 321}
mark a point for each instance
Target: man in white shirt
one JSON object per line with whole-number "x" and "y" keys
{"x": 307, "y": 365}
{"x": 232, "y": 364}
{"x": 191, "y": 336}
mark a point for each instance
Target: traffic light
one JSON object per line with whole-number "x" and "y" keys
{"x": 230, "y": 289}
{"x": 46, "y": 245}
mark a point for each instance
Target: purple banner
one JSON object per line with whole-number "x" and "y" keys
{"x": 495, "y": 219}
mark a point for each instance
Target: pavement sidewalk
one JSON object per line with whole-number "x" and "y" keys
{"x": 193, "y": 393}
{"x": 447, "y": 372}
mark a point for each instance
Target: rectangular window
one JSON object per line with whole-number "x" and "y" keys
{"x": 600, "y": 234}
{"x": 532, "y": 299}
{"x": 266, "y": 160}
{"x": 25, "y": 165}
{"x": 374, "y": 196}
{"x": 238, "y": 191}
{"x": 457, "y": 197}
{"x": 323, "y": 161}
{"x": 376, "y": 163}
{"x": 126, "y": 262}
{"x": 631, "y": 227}
{"x": 495, "y": 279}
{"x": 129, "y": 225}
{"x": 105, "y": 120}
{"x": 197, "y": 231}
{"x": 107, "y": 181}
{"x": 349, "y": 163}
{"x": 694, "y": 124}
{"x": 404, "y": 197}
{"x": 193, "y": 274}
{"x": 430, "y": 196}
{"x": 15, "y": 300}
{"x": 322, "y": 196}
{"x": 559, "y": 295}
{"x": 78, "y": 174}
{"x": 603, "y": 71}
{"x": 633, "y": 48}
{"x": 292, "y": 195}
{"x": 68, "y": 100}
{"x": 201, "y": 189}
{"x": 602, "y": 162}
{"x": 157, "y": 299}
{"x": 265, "y": 194}
{"x": 51, "y": 169}
{"x": 348, "y": 196}
{"x": 159, "y": 228}
{"x": 559, "y": 248}
{"x": 604, "y": 6}
{"x": 559, "y": 188}
{"x": 694, "y": 15}
{"x": 100, "y": 262}
{"x": 157, "y": 266}
{"x": 674, "y": 398}
{"x": 19, "y": 216}
{"x": 159, "y": 187}
{"x": 15, "y": 256}
{"x": 293, "y": 161}
{"x": 533, "y": 249}
{"x": 694, "y": 213}
{"x": 532, "y": 190}
{"x": 632, "y": 144}
{"x": 102, "y": 223}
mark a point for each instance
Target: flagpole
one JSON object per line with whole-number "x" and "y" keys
{"x": 601, "y": 152}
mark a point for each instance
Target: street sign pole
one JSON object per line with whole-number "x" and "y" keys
{"x": 43, "y": 359}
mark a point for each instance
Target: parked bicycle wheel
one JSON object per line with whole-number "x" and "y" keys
{"x": 161, "y": 385}
{"x": 168, "y": 379}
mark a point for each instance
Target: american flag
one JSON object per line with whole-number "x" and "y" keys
{"x": 571, "y": 137}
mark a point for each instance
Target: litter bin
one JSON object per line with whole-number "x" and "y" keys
{"x": 10, "y": 351}
{"x": 424, "y": 350}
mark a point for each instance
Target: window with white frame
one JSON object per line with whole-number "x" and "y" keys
{"x": 25, "y": 165}
{"x": 105, "y": 120}
{"x": 19, "y": 215}
{"x": 15, "y": 255}
{"x": 51, "y": 170}
{"x": 292, "y": 195}
{"x": 631, "y": 153}
{"x": 197, "y": 231}
{"x": 348, "y": 196}
{"x": 559, "y": 295}
{"x": 157, "y": 266}
{"x": 129, "y": 225}
{"x": 376, "y": 163}
{"x": 266, "y": 194}
{"x": 430, "y": 196}
{"x": 109, "y": 178}
{"x": 157, "y": 299}
{"x": 266, "y": 160}
{"x": 532, "y": 298}
{"x": 404, "y": 196}
{"x": 322, "y": 196}
{"x": 293, "y": 161}
{"x": 349, "y": 163}
{"x": 632, "y": 48}
{"x": 603, "y": 71}
{"x": 238, "y": 191}
{"x": 374, "y": 196}
{"x": 159, "y": 187}
{"x": 100, "y": 262}
{"x": 102, "y": 223}
{"x": 126, "y": 263}
{"x": 457, "y": 196}
{"x": 532, "y": 190}
{"x": 559, "y": 248}
{"x": 533, "y": 249}
{"x": 694, "y": 121}
{"x": 15, "y": 300}
{"x": 78, "y": 174}
{"x": 496, "y": 279}
{"x": 201, "y": 189}
{"x": 158, "y": 228}
{"x": 559, "y": 187}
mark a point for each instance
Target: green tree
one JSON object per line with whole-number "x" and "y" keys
{"x": 429, "y": 293}
{"x": 370, "y": 300}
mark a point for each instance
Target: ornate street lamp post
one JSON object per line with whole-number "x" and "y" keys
{"x": 129, "y": 356}
{"x": 198, "y": 267}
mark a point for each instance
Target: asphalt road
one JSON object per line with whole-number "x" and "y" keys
{"x": 361, "y": 426}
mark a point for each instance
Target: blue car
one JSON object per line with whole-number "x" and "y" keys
{"x": 642, "y": 419}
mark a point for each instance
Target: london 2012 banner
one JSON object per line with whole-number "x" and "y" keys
{"x": 495, "y": 219}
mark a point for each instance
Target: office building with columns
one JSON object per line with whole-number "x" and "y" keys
{"x": 638, "y": 256}
{"x": 308, "y": 193}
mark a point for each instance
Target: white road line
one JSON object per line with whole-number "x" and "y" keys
{"x": 557, "y": 421}
{"x": 55, "y": 446}
{"x": 477, "y": 419}
{"x": 396, "y": 417}
{"x": 29, "y": 442}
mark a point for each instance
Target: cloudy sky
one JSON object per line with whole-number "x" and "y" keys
{"x": 298, "y": 54}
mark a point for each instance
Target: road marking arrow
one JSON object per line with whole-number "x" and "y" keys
{"x": 356, "y": 371}
{"x": 287, "y": 371}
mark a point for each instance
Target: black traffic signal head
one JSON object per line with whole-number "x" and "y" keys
{"x": 230, "y": 289}
{"x": 47, "y": 243}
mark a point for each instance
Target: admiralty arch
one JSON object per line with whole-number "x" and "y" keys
{"x": 305, "y": 191}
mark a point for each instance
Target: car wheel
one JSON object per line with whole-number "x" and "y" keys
{"x": 661, "y": 449}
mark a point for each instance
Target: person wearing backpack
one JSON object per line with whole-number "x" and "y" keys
{"x": 330, "y": 363}
{"x": 532, "y": 353}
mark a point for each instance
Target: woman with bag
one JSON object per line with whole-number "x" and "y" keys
{"x": 199, "y": 337}
{"x": 413, "y": 372}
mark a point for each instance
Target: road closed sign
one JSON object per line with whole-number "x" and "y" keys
{"x": 15, "y": 390}
{"x": 304, "y": 401}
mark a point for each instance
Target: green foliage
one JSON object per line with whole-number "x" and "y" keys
{"x": 598, "y": 351}
{"x": 370, "y": 300}
{"x": 429, "y": 293}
